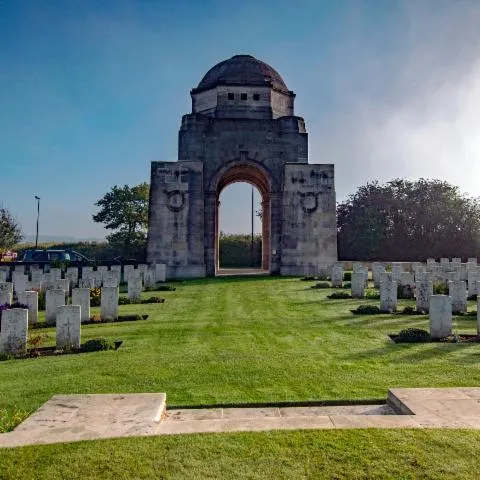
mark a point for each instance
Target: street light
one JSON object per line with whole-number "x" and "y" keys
{"x": 38, "y": 216}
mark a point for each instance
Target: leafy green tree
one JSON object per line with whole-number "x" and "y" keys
{"x": 404, "y": 220}
{"x": 125, "y": 211}
{"x": 10, "y": 231}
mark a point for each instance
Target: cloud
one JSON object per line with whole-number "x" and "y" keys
{"x": 421, "y": 116}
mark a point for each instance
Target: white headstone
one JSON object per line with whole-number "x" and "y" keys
{"x": 440, "y": 316}
{"x": 149, "y": 277}
{"x": 388, "y": 296}
{"x": 110, "y": 279}
{"x": 72, "y": 275}
{"x": 68, "y": 326}
{"x": 81, "y": 296}
{"x": 117, "y": 270}
{"x": 53, "y": 299}
{"x": 86, "y": 283}
{"x": 337, "y": 276}
{"x": 19, "y": 280}
{"x": 5, "y": 298}
{"x": 13, "y": 337}
{"x": 3, "y": 276}
{"x": 423, "y": 292}
{"x": 458, "y": 292}
{"x": 30, "y": 299}
{"x": 109, "y": 303}
{"x": 127, "y": 271}
{"x": 56, "y": 273}
{"x": 407, "y": 279}
{"x": 134, "y": 287}
{"x": 358, "y": 284}
{"x": 160, "y": 272}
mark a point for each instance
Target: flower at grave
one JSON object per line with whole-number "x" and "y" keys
{"x": 95, "y": 295}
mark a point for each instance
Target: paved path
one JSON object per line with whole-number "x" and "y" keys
{"x": 70, "y": 418}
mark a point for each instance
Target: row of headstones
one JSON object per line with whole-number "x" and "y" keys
{"x": 39, "y": 280}
{"x": 19, "y": 285}
{"x": 14, "y": 333}
{"x": 80, "y": 296}
{"x": 458, "y": 295}
{"x": 359, "y": 279}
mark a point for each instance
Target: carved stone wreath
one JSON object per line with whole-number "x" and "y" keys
{"x": 176, "y": 200}
{"x": 309, "y": 201}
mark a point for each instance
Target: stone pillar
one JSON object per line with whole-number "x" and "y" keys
{"x": 440, "y": 316}
{"x": 81, "y": 296}
{"x": 458, "y": 292}
{"x": 337, "y": 276}
{"x": 109, "y": 303}
{"x": 388, "y": 296}
{"x": 358, "y": 285}
{"x": 53, "y": 299}
{"x": 68, "y": 326}
{"x": 423, "y": 292}
{"x": 134, "y": 287}
{"x": 160, "y": 272}
{"x": 30, "y": 299}
{"x": 14, "y": 331}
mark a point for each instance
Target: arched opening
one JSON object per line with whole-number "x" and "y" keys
{"x": 240, "y": 227}
{"x": 246, "y": 173}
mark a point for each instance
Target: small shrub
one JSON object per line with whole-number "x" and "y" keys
{"x": 409, "y": 310}
{"x": 97, "y": 344}
{"x": 347, "y": 276}
{"x": 413, "y": 335}
{"x": 473, "y": 297}
{"x": 36, "y": 341}
{"x": 160, "y": 288}
{"x": 322, "y": 276}
{"x": 372, "y": 294}
{"x": 152, "y": 300}
{"x": 366, "y": 310}
{"x": 321, "y": 285}
{"x": 95, "y": 296}
{"x": 308, "y": 278}
{"x": 440, "y": 288}
{"x": 124, "y": 301}
{"x": 339, "y": 295}
{"x": 347, "y": 285}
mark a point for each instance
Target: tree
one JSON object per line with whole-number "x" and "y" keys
{"x": 125, "y": 210}
{"x": 404, "y": 220}
{"x": 10, "y": 231}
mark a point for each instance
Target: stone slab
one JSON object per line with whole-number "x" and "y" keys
{"x": 69, "y": 418}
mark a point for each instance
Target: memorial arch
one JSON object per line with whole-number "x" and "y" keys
{"x": 242, "y": 128}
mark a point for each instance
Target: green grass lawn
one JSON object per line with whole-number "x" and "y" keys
{"x": 234, "y": 341}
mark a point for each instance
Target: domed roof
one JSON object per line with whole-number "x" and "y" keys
{"x": 242, "y": 70}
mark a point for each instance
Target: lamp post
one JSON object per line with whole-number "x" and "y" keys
{"x": 38, "y": 216}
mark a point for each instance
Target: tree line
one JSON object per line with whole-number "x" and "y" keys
{"x": 398, "y": 220}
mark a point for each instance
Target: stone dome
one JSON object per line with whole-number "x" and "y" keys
{"x": 242, "y": 70}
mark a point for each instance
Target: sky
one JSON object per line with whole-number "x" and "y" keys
{"x": 92, "y": 91}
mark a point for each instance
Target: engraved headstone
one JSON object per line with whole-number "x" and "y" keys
{"x": 109, "y": 303}
{"x": 134, "y": 287}
{"x": 440, "y": 316}
{"x": 423, "y": 292}
{"x": 13, "y": 337}
{"x": 30, "y": 299}
{"x": 68, "y": 326}
{"x": 388, "y": 296}
{"x": 53, "y": 299}
{"x": 458, "y": 292}
{"x": 358, "y": 285}
{"x": 81, "y": 296}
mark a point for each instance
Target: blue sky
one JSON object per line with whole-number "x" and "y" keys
{"x": 92, "y": 91}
